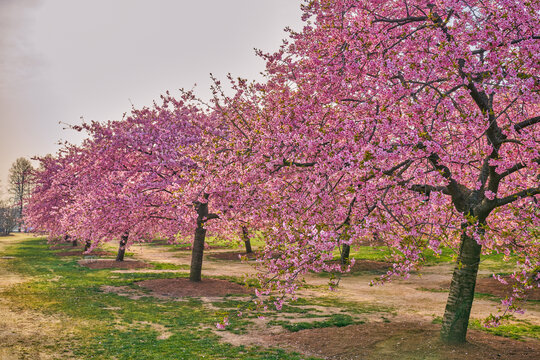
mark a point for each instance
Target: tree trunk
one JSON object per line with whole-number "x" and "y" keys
{"x": 345, "y": 253}
{"x": 21, "y": 214}
{"x": 73, "y": 242}
{"x": 87, "y": 245}
{"x": 247, "y": 240}
{"x": 460, "y": 298}
{"x": 198, "y": 242}
{"x": 122, "y": 248}
{"x": 197, "y": 254}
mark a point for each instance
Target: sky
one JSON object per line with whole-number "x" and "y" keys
{"x": 61, "y": 60}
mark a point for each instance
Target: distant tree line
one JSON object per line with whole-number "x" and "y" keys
{"x": 20, "y": 182}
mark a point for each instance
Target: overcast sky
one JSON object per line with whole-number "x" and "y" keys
{"x": 63, "y": 59}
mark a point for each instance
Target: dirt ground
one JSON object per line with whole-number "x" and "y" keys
{"x": 182, "y": 287}
{"x": 402, "y": 340}
{"x": 493, "y": 287}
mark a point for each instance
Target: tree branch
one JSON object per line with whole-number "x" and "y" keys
{"x": 521, "y": 125}
{"x": 515, "y": 168}
{"x": 210, "y": 217}
{"x": 427, "y": 189}
{"x": 516, "y": 196}
{"x": 402, "y": 21}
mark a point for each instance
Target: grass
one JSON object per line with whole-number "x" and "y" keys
{"x": 257, "y": 242}
{"x": 113, "y": 326}
{"x": 375, "y": 253}
{"x": 491, "y": 262}
{"x": 516, "y": 329}
{"x": 110, "y": 326}
{"x": 168, "y": 266}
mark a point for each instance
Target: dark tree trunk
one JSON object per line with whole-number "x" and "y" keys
{"x": 247, "y": 240}
{"x": 73, "y": 242}
{"x": 198, "y": 242}
{"x": 87, "y": 245}
{"x": 345, "y": 253}
{"x": 122, "y": 248}
{"x": 460, "y": 298}
{"x": 197, "y": 254}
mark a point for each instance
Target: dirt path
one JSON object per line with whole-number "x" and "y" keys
{"x": 408, "y": 296}
{"x": 211, "y": 267}
{"x": 27, "y": 334}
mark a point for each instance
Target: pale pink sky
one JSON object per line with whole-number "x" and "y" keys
{"x": 63, "y": 59}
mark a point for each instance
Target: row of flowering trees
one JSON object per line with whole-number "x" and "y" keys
{"x": 408, "y": 122}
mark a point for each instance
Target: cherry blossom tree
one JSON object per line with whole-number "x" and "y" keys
{"x": 150, "y": 173}
{"x": 411, "y": 122}
{"x": 50, "y": 195}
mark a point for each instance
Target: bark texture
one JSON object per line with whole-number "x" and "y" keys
{"x": 197, "y": 255}
{"x": 461, "y": 296}
{"x": 198, "y": 242}
{"x": 247, "y": 240}
{"x": 122, "y": 248}
{"x": 345, "y": 254}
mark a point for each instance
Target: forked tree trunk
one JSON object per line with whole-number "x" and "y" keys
{"x": 460, "y": 298}
{"x": 197, "y": 254}
{"x": 345, "y": 254}
{"x": 122, "y": 248}
{"x": 247, "y": 240}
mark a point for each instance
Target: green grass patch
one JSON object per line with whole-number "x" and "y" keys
{"x": 114, "y": 326}
{"x": 376, "y": 253}
{"x": 515, "y": 329}
{"x": 168, "y": 266}
{"x": 491, "y": 262}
